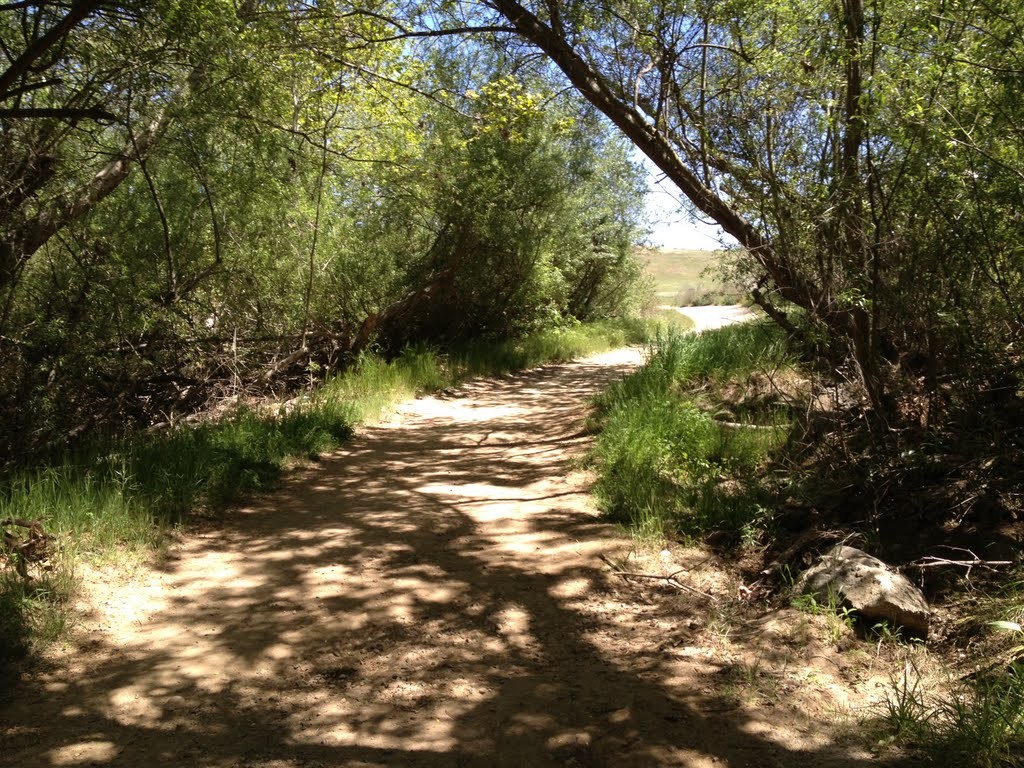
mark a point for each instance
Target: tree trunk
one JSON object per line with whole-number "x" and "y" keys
{"x": 848, "y": 322}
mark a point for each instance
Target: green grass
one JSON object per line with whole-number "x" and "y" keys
{"x": 839, "y": 619}
{"x": 688, "y": 277}
{"x": 976, "y": 724}
{"x": 978, "y": 721}
{"x": 119, "y": 500}
{"x": 667, "y": 321}
{"x": 489, "y": 358}
{"x": 665, "y": 465}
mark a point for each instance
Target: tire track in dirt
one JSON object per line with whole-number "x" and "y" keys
{"x": 431, "y": 595}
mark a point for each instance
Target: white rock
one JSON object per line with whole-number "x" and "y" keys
{"x": 868, "y": 586}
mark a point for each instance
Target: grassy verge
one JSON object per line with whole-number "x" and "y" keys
{"x": 974, "y": 720}
{"x": 689, "y": 277}
{"x": 120, "y": 500}
{"x": 666, "y": 465}
{"x": 666, "y": 321}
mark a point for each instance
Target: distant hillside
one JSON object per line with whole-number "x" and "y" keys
{"x": 686, "y": 277}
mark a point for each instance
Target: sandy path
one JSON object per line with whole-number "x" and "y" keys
{"x": 430, "y": 596}
{"x": 714, "y": 316}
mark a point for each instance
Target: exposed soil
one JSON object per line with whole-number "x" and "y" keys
{"x": 435, "y": 595}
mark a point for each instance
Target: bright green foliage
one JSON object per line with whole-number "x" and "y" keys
{"x": 294, "y": 192}
{"x": 663, "y": 461}
{"x": 533, "y": 212}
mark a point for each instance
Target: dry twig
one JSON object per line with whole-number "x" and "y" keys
{"x": 930, "y": 561}
{"x": 671, "y": 579}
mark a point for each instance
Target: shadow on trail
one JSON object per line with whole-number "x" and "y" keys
{"x": 429, "y": 597}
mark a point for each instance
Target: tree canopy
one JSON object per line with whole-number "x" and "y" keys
{"x": 866, "y": 155}
{"x": 198, "y": 196}
{"x": 193, "y": 189}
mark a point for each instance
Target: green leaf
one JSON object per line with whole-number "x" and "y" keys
{"x": 1006, "y": 626}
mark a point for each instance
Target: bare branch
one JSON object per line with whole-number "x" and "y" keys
{"x": 80, "y": 9}
{"x": 61, "y": 113}
{"x": 939, "y": 562}
{"x": 449, "y": 32}
{"x": 431, "y": 95}
{"x": 931, "y": 561}
{"x": 670, "y": 580}
{"x": 29, "y": 87}
{"x": 30, "y": 236}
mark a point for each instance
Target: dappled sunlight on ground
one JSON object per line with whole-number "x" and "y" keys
{"x": 430, "y": 596}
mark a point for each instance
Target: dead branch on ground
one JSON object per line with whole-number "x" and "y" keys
{"x": 670, "y": 580}
{"x": 32, "y": 546}
{"x": 931, "y": 561}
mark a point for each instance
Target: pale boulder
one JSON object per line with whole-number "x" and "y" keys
{"x": 868, "y": 586}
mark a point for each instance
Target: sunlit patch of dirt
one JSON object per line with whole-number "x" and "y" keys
{"x": 714, "y": 316}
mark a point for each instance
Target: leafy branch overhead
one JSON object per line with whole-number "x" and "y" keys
{"x": 199, "y": 199}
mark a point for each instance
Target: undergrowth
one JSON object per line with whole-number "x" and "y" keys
{"x": 973, "y": 723}
{"x": 122, "y": 497}
{"x": 665, "y": 464}
{"x": 977, "y": 720}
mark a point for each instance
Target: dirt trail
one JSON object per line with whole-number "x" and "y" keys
{"x": 714, "y": 316}
{"x": 430, "y": 596}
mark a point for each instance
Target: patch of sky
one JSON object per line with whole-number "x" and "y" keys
{"x": 671, "y": 219}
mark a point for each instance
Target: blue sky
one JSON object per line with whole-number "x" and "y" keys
{"x": 671, "y": 226}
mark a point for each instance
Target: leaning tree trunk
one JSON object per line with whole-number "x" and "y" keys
{"x": 848, "y": 322}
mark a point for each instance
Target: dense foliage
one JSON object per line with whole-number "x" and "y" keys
{"x": 198, "y": 196}
{"x": 199, "y": 199}
{"x": 866, "y": 154}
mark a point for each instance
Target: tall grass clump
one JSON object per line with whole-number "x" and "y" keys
{"x": 664, "y": 464}
{"x": 983, "y": 724}
{"x": 725, "y": 353}
{"x": 87, "y": 515}
{"x": 978, "y": 721}
{"x": 484, "y": 357}
{"x": 375, "y": 383}
{"x": 649, "y": 449}
{"x": 211, "y": 465}
{"x": 976, "y": 724}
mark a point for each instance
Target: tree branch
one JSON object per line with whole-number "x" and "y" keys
{"x": 23, "y": 64}
{"x": 592, "y": 86}
{"x": 62, "y": 113}
{"x": 29, "y": 87}
{"x": 18, "y": 246}
{"x": 846, "y": 320}
{"x": 449, "y": 32}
